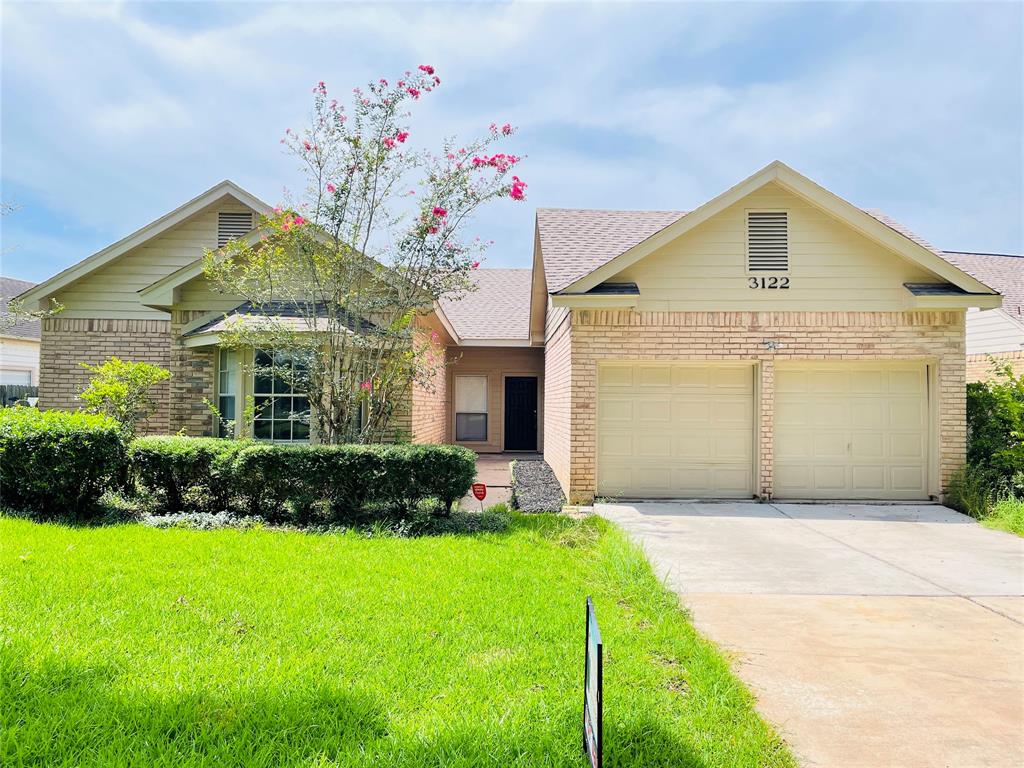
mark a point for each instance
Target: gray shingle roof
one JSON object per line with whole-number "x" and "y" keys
{"x": 499, "y": 308}
{"x": 282, "y": 314}
{"x": 26, "y": 329}
{"x": 1003, "y": 272}
{"x": 577, "y": 241}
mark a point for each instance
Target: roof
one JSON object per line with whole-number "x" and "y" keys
{"x": 24, "y": 329}
{"x": 283, "y": 313}
{"x": 499, "y": 308}
{"x": 578, "y": 246}
{"x": 1002, "y": 271}
{"x": 39, "y": 292}
{"x": 576, "y": 241}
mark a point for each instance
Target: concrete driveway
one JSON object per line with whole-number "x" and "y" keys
{"x": 871, "y": 635}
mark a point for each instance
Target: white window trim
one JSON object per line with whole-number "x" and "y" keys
{"x": 486, "y": 412}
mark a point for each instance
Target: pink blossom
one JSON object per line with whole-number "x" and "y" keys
{"x": 299, "y": 221}
{"x": 331, "y": 188}
{"x": 277, "y": 209}
{"x": 432, "y": 230}
{"x": 427, "y": 68}
{"x": 437, "y": 80}
{"x": 494, "y": 127}
{"x": 434, "y": 336}
{"x": 384, "y": 82}
{"x": 401, "y": 83}
{"x": 307, "y": 145}
{"x": 286, "y": 225}
{"x": 334, "y": 103}
{"x": 402, "y": 136}
{"x": 414, "y": 92}
{"x": 439, "y": 212}
{"x": 506, "y": 129}
{"x": 366, "y": 385}
{"x": 389, "y": 142}
{"x": 475, "y": 265}
{"x": 518, "y": 190}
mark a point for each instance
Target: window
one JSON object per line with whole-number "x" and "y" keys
{"x": 767, "y": 241}
{"x": 231, "y": 225}
{"x": 227, "y": 391}
{"x": 281, "y": 414}
{"x": 470, "y": 408}
{"x": 23, "y": 378}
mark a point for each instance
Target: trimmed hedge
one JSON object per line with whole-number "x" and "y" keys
{"x": 56, "y": 464}
{"x": 299, "y": 483}
{"x": 194, "y": 472}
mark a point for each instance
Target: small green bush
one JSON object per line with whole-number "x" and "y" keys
{"x": 56, "y": 464}
{"x": 186, "y": 473}
{"x": 972, "y": 490}
{"x": 1007, "y": 515}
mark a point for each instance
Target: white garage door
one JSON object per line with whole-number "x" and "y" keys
{"x": 851, "y": 430}
{"x": 675, "y": 430}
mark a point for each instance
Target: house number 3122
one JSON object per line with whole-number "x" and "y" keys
{"x": 781, "y": 283}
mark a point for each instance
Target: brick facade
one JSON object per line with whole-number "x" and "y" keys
{"x": 558, "y": 400}
{"x": 192, "y": 380}
{"x": 429, "y": 417}
{"x": 979, "y": 367}
{"x": 593, "y": 336}
{"x": 66, "y": 342}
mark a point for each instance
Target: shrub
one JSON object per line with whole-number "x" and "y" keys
{"x": 995, "y": 424}
{"x": 300, "y": 483}
{"x": 120, "y": 389}
{"x": 186, "y": 473}
{"x": 56, "y": 464}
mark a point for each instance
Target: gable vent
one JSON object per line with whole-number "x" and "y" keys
{"x": 232, "y": 225}
{"x": 767, "y": 241}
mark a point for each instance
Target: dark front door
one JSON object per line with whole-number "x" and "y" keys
{"x": 521, "y": 413}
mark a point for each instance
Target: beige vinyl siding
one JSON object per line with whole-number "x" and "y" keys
{"x": 112, "y": 290}
{"x": 21, "y": 355}
{"x": 196, "y": 295}
{"x": 990, "y": 331}
{"x": 831, "y": 266}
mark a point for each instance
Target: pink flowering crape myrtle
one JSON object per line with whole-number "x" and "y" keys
{"x": 381, "y": 231}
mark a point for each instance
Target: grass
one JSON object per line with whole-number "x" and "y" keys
{"x": 1006, "y": 515}
{"x": 126, "y": 645}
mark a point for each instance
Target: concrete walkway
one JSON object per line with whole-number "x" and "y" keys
{"x": 871, "y": 635}
{"x": 492, "y": 469}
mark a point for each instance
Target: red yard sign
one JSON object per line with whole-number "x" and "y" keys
{"x": 480, "y": 491}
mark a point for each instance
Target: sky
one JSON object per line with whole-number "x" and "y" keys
{"x": 114, "y": 114}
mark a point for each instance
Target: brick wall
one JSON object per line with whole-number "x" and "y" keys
{"x": 66, "y": 342}
{"x": 979, "y": 367}
{"x": 428, "y": 420}
{"x": 558, "y": 401}
{"x": 192, "y": 379}
{"x": 629, "y": 335}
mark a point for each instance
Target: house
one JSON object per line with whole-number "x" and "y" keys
{"x": 19, "y": 339}
{"x": 776, "y": 342}
{"x": 995, "y": 334}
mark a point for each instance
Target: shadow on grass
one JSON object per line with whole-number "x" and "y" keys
{"x": 64, "y": 713}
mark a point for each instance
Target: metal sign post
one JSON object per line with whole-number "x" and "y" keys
{"x": 593, "y": 690}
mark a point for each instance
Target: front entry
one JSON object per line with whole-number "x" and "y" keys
{"x": 520, "y": 413}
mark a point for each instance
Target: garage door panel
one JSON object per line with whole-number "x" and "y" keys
{"x": 687, "y": 431}
{"x": 864, "y": 432}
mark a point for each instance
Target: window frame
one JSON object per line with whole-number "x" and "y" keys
{"x": 485, "y": 413}
{"x": 272, "y": 397}
{"x": 221, "y": 369}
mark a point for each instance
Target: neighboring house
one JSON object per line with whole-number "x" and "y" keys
{"x": 775, "y": 342}
{"x": 995, "y": 333}
{"x": 19, "y": 339}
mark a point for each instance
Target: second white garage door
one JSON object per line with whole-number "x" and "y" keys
{"x": 851, "y": 430}
{"x": 675, "y": 430}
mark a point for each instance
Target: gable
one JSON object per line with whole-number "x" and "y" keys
{"x": 111, "y": 290}
{"x": 830, "y": 265}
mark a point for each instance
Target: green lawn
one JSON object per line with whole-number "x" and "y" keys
{"x": 132, "y": 646}
{"x": 1006, "y": 515}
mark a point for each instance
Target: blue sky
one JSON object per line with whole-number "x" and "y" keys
{"x": 114, "y": 114}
